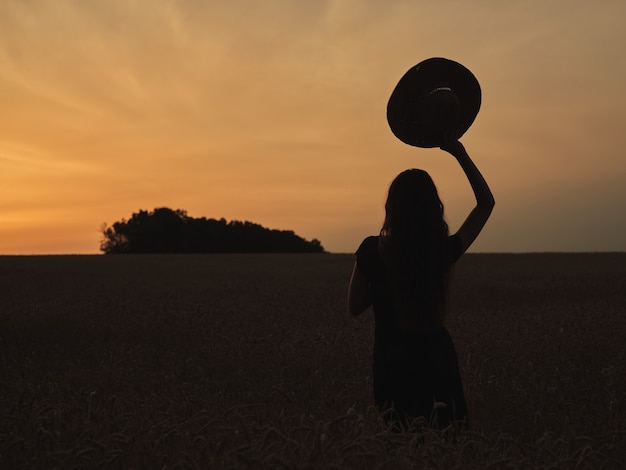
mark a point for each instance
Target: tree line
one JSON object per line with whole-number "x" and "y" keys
{"x": 172, "y": 231}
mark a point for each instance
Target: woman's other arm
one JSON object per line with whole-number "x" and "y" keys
{"x": 477, "y": 218}
{"x": 359, "y": 297}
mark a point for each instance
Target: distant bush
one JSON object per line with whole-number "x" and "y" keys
{"x": 172, "y": 231}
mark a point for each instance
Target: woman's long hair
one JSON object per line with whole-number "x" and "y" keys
{"x": 413, "y": 245}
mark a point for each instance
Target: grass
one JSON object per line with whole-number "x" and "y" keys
{"x": 251, "y": 361}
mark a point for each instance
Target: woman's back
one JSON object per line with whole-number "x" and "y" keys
{"x": 414, "y": 364}
{"x": 425, "y": 312}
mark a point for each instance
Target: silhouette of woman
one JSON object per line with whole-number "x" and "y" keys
{"x": 404, "y": 273}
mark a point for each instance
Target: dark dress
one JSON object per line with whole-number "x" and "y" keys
{"x": 412, "y": 371}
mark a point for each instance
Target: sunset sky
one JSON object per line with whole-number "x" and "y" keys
{"x": 274, "y": 111}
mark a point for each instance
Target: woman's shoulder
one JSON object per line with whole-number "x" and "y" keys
{"x": 369, "y": 248}
{"x": 367, "y": 256}
{"x": 368, "y": 245}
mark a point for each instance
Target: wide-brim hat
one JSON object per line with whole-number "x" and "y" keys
{"x": 436, "y": 73}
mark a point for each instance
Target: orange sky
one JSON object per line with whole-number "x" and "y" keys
{"x": 274, "y": 112}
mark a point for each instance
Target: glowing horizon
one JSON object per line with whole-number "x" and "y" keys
{"x": 274, "y": 113}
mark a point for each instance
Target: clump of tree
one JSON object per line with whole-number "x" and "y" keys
{"x": 172, "y": 231}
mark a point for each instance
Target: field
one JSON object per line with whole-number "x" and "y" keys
{"x": 251, "y": 361}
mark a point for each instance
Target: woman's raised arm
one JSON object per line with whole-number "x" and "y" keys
{"x": 477, "y": 218}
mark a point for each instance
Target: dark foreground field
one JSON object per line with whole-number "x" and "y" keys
{"x": 237, "y": 361}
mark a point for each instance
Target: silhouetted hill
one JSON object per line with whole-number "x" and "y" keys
{"x": 172, "y": 231}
